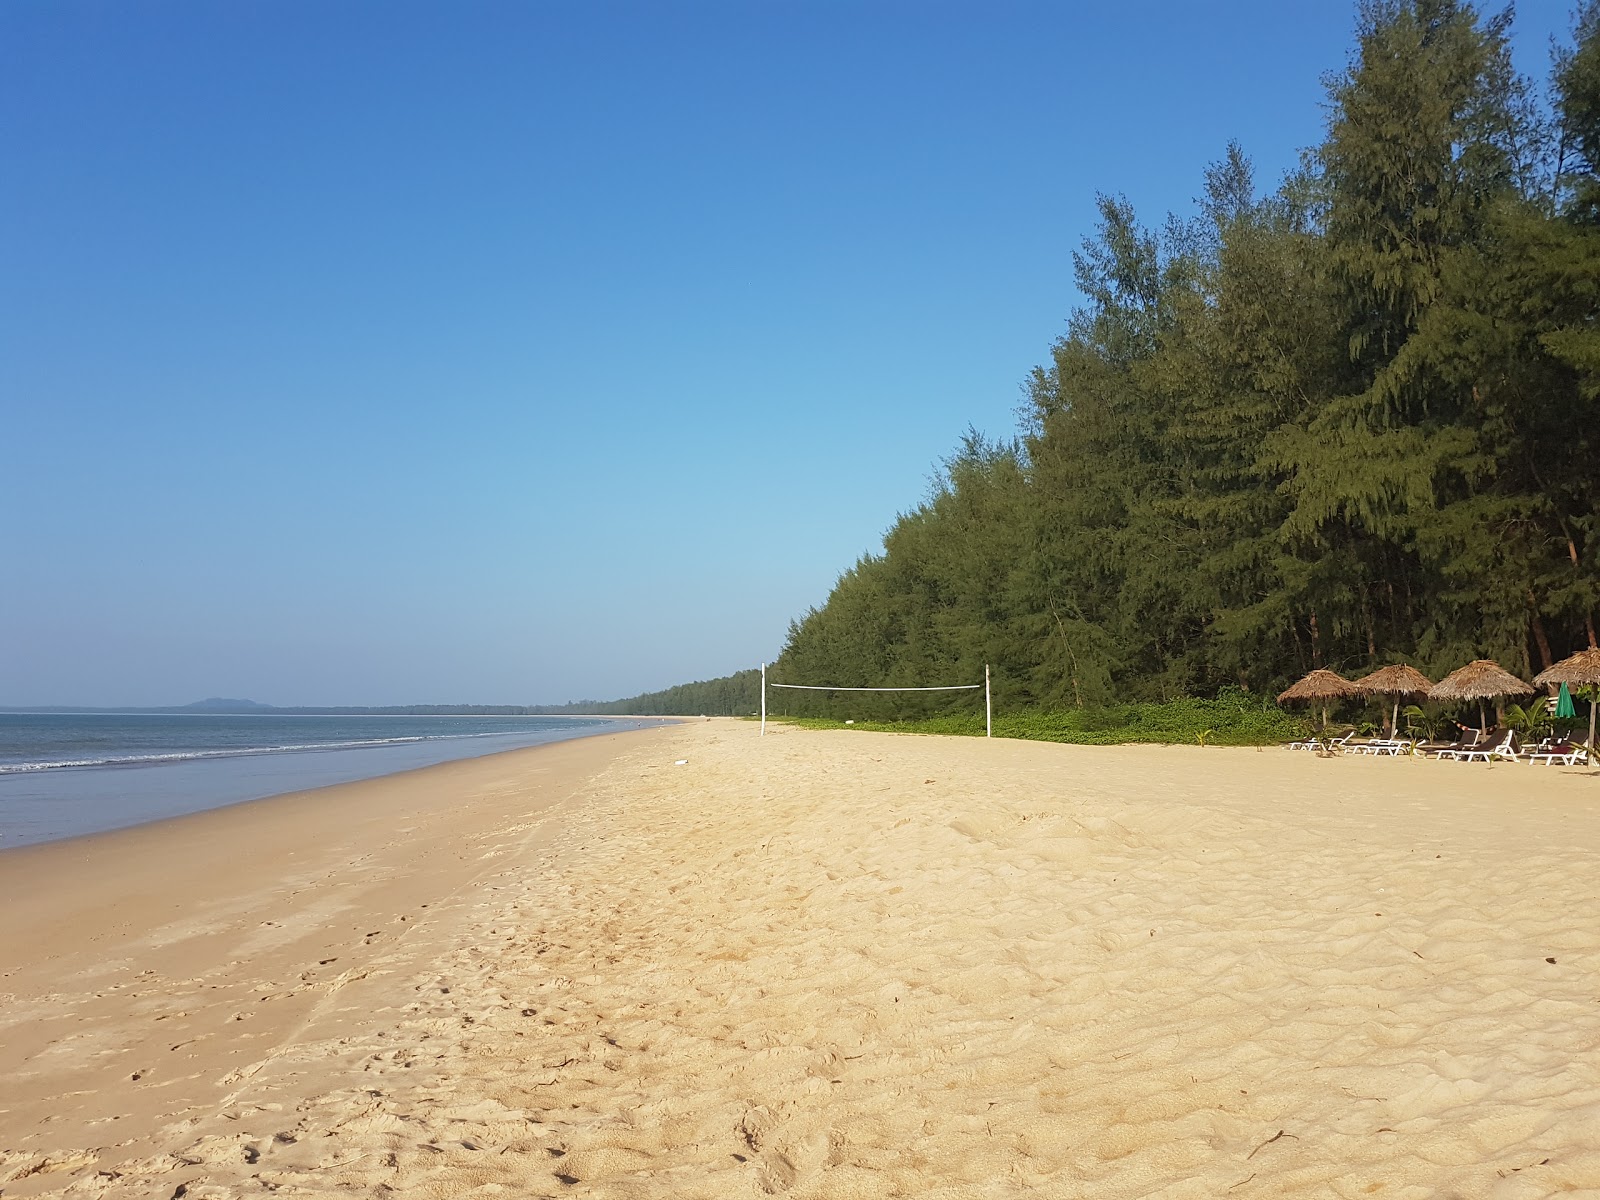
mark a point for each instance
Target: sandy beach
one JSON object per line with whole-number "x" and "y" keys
{"x": 821, "y": 965}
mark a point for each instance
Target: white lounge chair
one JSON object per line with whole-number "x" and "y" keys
{"x": 1324, "y": 744}
{"x": 1461, "y": 749}
{"x": 1571, "y": 756}
{"x": 1506, "y": 748}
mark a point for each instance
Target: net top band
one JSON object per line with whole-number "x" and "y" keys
{"x": 812, "y": 687}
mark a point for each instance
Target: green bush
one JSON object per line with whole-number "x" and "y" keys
{"x": 1233, "y": 719}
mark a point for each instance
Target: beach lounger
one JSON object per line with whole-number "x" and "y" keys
{"x": 1323, "y": 744}
{"x": 1564, "y": 753}
{"x": 1456, "y": 750}
{"x": 1505, "y": 748}
{"x": 1380, "y": 746}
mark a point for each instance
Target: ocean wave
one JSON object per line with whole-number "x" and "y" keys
{"x": 146, "y": 760}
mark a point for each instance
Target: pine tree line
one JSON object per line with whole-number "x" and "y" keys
{"x": 736, "y": 695}
{"x": 1344, "y": 423}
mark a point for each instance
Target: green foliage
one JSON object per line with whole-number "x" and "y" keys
{"x": 1420, "y": 723}
{"x": 1531, "y": 722}
{"x": 736, "y": 695}
{"x": 1350, "y": 422}
{"x": 1234, "y": 719}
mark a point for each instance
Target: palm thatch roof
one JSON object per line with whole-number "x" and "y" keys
{"x": 1320, "y": 685}
{"x": 1581, "y": 668}
{"x": 1395, "y": 681}
{"x": 1480, "y": 680}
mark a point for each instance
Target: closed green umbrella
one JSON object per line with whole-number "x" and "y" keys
{"x": 1583, "y": 669}
{"x": 1564, "y": 708}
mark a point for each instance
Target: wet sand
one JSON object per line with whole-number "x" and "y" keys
{"x": 822, "y": 964}
{"x": 152, "y": 977}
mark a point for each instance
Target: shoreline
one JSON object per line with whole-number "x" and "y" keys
{"x": 70, "y": 801}
{"x": 148, "y": 971}
{"x": 698, "y": 963}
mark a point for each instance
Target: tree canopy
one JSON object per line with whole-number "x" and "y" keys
{"x": 1346, "y": 422}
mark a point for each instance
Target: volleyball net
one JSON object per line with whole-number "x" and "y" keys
{"x": 988, "y": 703}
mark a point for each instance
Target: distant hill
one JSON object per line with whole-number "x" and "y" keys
{"x": 217, "y": 704}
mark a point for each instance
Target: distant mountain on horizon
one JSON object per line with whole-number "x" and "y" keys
{"x": 218, "y": 704}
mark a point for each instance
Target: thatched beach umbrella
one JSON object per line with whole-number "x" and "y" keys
{"x": 1582, "y": 668}
{"x": 1395, "y": 681}
{"x": 1480, "y": 680}
{"x": 1321, "y": 685}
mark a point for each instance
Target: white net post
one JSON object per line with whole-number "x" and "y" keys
{"x": 763, "y": 699}
{"x": 988, "y": 705}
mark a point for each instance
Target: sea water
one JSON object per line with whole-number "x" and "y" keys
{"x": 62, "y": 775}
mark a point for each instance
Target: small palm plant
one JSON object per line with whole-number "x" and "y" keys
{"x": 1529, "y": 722}
{"x": 1419, "y": 722}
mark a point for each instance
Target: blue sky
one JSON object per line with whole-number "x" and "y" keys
{"x": 388, "y": 352}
